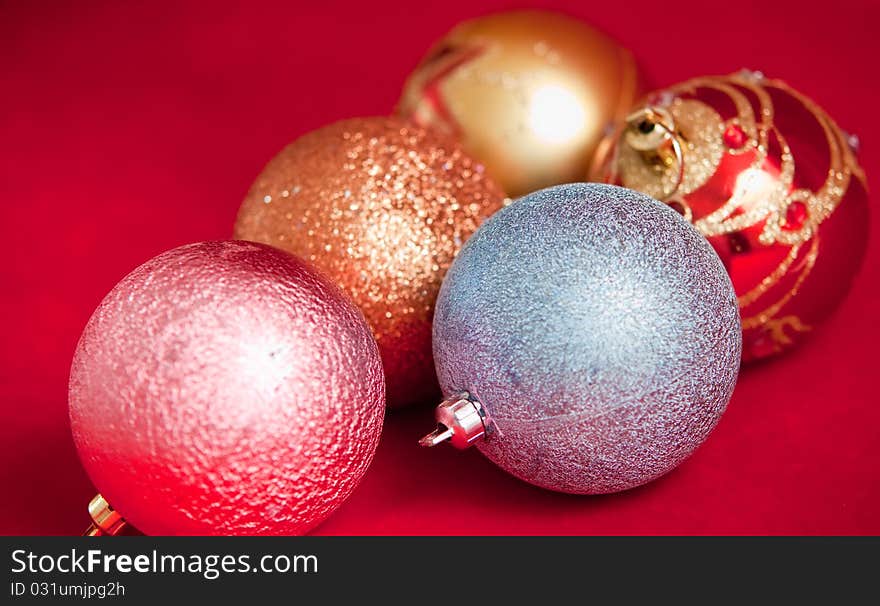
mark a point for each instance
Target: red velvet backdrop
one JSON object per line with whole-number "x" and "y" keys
{"x": 130, "y": 128}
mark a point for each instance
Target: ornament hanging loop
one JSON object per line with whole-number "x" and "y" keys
{"x": 106, "y": 521}
{"x": 651, "y": 131}
{"x": 461, "y": 421}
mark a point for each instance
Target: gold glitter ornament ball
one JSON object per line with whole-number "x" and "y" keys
{"x": 530, "y": 93}
{"x": 382, "y": 207}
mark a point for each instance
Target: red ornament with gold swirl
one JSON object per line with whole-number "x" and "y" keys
{"x": 769, "y": 178}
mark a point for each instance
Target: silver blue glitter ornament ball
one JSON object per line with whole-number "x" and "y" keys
{"x": 587, "y": 339}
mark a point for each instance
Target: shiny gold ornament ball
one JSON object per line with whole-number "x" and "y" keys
{"x": 382, "y": 207}
{"x": 530, "y": 93}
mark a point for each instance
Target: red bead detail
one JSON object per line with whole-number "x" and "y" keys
{"x": 738, "y": 243}
{"x": 734, "y": 136}
{"x": 795, "y": 216}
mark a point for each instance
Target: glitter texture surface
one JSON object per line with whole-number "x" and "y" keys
{"x": 382, "y": 207}
{"x": 226, "y": 388}
{"x": 600, "y": 331}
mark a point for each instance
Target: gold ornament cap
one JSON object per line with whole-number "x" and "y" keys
{"x": 105, "y": 519}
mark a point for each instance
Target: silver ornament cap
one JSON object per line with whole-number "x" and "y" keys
{"x": 461, "y": 420}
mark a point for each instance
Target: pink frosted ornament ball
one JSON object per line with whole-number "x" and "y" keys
{"x": 226, "y": 388}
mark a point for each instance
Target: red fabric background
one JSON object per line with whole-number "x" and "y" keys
{"x": 130, "y": 128}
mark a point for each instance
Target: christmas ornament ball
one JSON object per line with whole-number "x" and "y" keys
{"x": 530, "y": 93}
{"x": 382, "y": 207}
{"x": 773, "y": 183}
{"x": 226, "y": 388}
{"x": 598, "y": 333}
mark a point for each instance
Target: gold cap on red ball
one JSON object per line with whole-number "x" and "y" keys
{"x": 382, "y": 207}
{"x": 769, "y": 178}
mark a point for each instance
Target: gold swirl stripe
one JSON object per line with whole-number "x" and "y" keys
{"x": 762, "y": 317}
{"x": 768, "y": 282}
